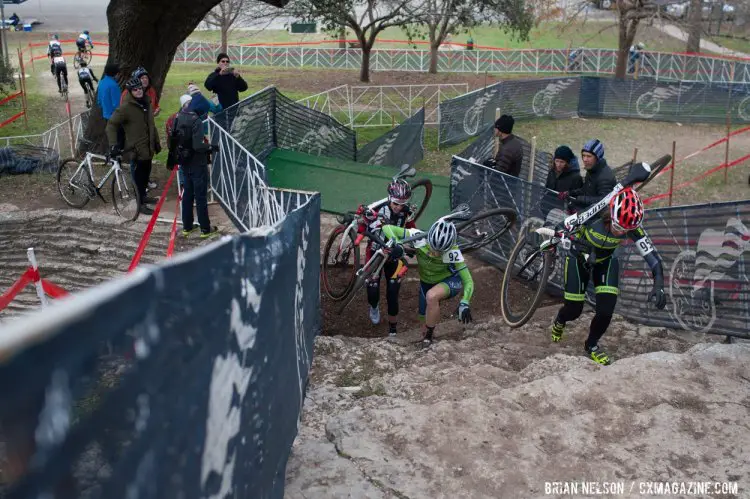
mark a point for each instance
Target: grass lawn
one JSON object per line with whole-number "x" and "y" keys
{"x": 595, "y": 34}
{"x": 738, "y": 44}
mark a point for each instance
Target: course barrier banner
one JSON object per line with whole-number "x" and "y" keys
{"x": 705, "y": 252}
{"x": 644, "y": 98}
{"x": 268, "y": 120}
{"x": 184, "y": 379}
{"x": 403, "y": 144}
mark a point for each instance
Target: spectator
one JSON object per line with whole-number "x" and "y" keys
{"x": 136, "y": 117}
{"x": 226, "y": 82}
{"x": 189, "y": 149}
{"x": 600, "y": 179}
{"x": 108, "y": 94}
{"x": 510, "y": 154}
{"x": 565, "y": 173}
{"x": 200, "y": 104}
{"x": 141, "y": 73}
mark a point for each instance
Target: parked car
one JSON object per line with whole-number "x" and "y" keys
{"x": 680, "y": 10}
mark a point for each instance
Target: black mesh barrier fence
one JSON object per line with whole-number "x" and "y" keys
{"x": 21, "y": 158}
{"x": 482, "y": 149}
{"x": 403, "y": 144}
{"x": 251, "y": 122}
{"x": 468, "y": 115}
{"x": 705, "y": 252}
{"x": 268, "y": 120}
{"x": 643, "y": 98}
{"x": 306, "y": 130}
{"x": 184, "y": 379}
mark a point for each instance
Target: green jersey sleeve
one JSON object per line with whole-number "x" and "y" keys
{"x": 393, "y": 232}
{"x": 468, "y": 282}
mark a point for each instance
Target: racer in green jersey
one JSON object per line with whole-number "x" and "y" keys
{"x": 442, "y": 272}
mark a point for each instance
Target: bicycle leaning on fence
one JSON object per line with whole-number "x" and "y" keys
{"x": 531, "y": 262}
{"x": 77, "y": 184}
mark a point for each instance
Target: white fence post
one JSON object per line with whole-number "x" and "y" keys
{"x": 38, "y": 283}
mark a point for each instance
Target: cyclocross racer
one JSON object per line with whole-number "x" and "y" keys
{"x": 54, "y": 49}
{"x": 442, "y": 272}
{"x": 395, "y": 211}
{"x": 82, "y": 40}
{"x": 601, "y": 238}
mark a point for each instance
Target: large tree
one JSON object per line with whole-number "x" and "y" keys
{"x": 695, "y": 26}
{"x": 440, "y": 18}
{"x": 147, "y": 33}
{"x": 366, "y": 18}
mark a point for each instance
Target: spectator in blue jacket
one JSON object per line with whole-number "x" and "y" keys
{"x": 108, "y": 93}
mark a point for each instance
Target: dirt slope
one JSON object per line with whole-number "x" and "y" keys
{"x": 493, "y": 412}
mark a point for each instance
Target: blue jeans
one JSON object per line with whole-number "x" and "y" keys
{"x": 195, "y": 182}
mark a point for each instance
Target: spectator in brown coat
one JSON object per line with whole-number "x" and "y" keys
{"x": 510, "y": 154}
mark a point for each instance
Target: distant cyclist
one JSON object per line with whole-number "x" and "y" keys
{"x": 86, "y": 79}
{"x": 59, "y": 69}
{"x": 600, "y": 238}
{"x": 396, "y": 212}
{"x": 54, "y": 49}
{"x": 443, "y": 273}
{"x": 83, "y": 40}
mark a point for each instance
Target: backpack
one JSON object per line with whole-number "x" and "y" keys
{"x": 182, "y": 136}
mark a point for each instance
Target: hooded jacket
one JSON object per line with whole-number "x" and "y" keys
{"x": 137, "y": 118}
{"x": 599, "y": 182}
{"x": 568, "y": 180}
{"x": 510, "y": 156}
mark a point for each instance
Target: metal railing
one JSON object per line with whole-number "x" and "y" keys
{"x": 376, "y": 106}
{"x": 237, "y": 181}
{"x": 57, "y": 138}
{"x": 596, "y": 61}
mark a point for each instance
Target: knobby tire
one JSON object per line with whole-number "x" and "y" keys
{"x": 510, "y": 215}
{"x": 517, "y": 320}
{"x": 333, "y": 294}
{"x": 75, "y": 163}
{"x": 131, "y": 191}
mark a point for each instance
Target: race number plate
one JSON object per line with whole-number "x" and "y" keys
{"x": 453, "y": 256}
{"x": 645, "y": 246}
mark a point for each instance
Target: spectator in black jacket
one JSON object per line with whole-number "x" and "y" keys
{"x": 600, "y": 179}
{"x": 509, "y": 156}
{"x": 226, "y": 82}
{"x": 565, "y": 173}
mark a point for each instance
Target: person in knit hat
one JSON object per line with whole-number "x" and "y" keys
{"x": 510, "y": 154}
{"x": 600, "y": 179}
{"x": 564, "y": 173}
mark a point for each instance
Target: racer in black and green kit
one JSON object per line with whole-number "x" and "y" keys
{"x": 442, "y": 272}
{"x": 600, "y": 239}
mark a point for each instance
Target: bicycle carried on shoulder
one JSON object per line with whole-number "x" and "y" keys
{"x": 470, "y": 239}
{"x": 342, "y": 252}
{"x": 77, "y": 185}
{"x": 531, "y": 261}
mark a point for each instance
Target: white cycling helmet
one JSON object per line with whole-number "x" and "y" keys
{"x": 442, "y": 235}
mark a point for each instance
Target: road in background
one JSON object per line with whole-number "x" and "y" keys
{"x": 63, "y": 15}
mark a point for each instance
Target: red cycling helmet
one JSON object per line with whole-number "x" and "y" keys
{"x": 626, "y": 210}
{"x": 399, "y": 192}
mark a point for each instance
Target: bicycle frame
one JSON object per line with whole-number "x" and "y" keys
{"x": 87, "y": 162}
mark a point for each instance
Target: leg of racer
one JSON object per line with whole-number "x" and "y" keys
{"x": 606, "y": 281}
{"x": 392, "y": 287}
{"x": 430, "y": 296}
{"x": 373, "y": 291}
{"x": 576, "y": 277}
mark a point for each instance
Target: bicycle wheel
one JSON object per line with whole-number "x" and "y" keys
{"x": 359, "y": 283}
{"x": 74, "y": 183}
{"x": 421, "y": 190}
{"x": 340, "y": 264}
{"x": 656, "y": 168}
{"x": 87, "y": 56}
{"x": 77, "y": 61}
{"x": 484, "y": 228}
{"x": 524, "y": 280}
{"x": 125, "y": 196}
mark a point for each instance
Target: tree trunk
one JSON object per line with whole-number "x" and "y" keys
{"x": 147, "y": 33}
{"x": 626, "y": 35}
{"x": 696, "y": 26}
{"x": 224, "y": 36}
{"x": 364, "y": 72}
{"x": 434, "y": 57}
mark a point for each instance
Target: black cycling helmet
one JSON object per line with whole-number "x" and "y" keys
{"x": 85, "y": 32}
{"x": 134, "y": 84}
{"x": 140, "y": 71}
